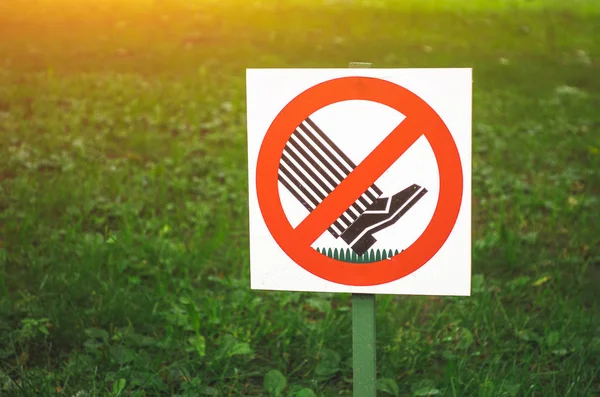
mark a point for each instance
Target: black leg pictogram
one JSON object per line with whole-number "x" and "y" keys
{"x": 311, "y": 166}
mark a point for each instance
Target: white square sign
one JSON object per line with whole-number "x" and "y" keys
{"x": 360, "y": 180}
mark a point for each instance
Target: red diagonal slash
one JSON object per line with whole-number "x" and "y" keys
{"x": 358, "y": 181}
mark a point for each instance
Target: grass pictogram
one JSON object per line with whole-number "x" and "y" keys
{"x": 348, "y": 255}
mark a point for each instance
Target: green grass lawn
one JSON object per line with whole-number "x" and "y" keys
{"x": 123, "y": 202}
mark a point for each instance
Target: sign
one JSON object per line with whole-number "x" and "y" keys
{"x": 359, "y": 180}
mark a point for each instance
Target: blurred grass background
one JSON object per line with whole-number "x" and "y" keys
{"x": 123, "y": 194}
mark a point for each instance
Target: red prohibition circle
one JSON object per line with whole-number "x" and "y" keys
{"x": 420, "y": 119}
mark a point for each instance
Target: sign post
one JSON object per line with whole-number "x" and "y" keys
{"x": 363, "y": 345}
{"x": 364, "y": 359}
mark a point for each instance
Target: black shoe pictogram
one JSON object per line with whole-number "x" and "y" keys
{"x": 383, "y": 213}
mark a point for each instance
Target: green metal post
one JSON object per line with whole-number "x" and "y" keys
{"x": 363, "y": 345}
{"x": 363, "y": 332}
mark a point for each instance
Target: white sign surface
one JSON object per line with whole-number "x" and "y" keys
{"x": 360, "y": 180}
